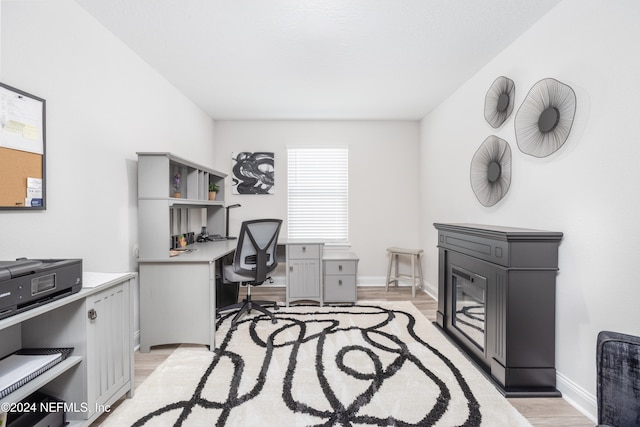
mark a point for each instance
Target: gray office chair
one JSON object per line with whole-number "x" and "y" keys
{"x": 254, "y": 258}
{"x": 618, "y": 389}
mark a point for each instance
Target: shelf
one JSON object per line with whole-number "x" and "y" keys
{"x": 180, "y": 160}
{"x": 194, "y": 202}
{"x": 176, "y": 201}
{"x": 161, "y": 217}
{"x": 42, "y": 379}
{"x": 38, "y": 310}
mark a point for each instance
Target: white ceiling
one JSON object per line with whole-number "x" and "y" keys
{"x": 317, "y": 59}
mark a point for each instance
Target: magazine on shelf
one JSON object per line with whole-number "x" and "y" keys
{"x": 19, "y": 368}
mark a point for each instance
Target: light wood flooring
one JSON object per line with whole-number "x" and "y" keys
{"x": 540, "y": 412}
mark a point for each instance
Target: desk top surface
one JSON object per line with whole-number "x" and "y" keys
{"x": 287, "y": 241}
{"x": 200, "y": 252}
{"x": 211, "y": 251}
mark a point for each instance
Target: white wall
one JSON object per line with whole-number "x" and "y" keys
{"x": 103, "y": 104}
{"x": 588, "y": 189}
{"x": 383, "y": 172}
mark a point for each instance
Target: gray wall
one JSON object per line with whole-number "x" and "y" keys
{"x": 588, "y": 189}
{"x": 383, "y": 179}
{"x": 103, "y": 104}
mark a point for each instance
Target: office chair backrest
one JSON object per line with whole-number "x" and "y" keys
{"x": 256, "y": 251}
{"x": 618, "y": 368}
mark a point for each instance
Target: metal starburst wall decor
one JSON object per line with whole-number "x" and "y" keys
{"x": 498, "y": 103}
{"x": 544, "y": 119}
{"x": 491, "y": 170}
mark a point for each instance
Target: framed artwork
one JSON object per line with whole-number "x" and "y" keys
{"x": 252, "y": 172}
{"x": 22, "y": 150}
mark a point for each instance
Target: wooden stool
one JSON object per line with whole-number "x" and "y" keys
{"x": 415, "y": 259}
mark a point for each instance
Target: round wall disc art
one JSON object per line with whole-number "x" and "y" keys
{"x": 544, "y": 119}
{"x": 498, "y": 103}
{"x": 491, "y": 171}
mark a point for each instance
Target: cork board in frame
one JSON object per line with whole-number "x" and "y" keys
{"x": 22, "y": 150}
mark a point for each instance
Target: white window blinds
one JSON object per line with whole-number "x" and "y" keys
{"x": 318, "y": 193}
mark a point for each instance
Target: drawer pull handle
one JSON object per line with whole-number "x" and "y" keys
{"x": 290, "y": 268}
{"x": 92, "y": 314}
{"x": 339, "y": 282}
{"x": 304, "y": 249}
{"x": 340, "y": 267}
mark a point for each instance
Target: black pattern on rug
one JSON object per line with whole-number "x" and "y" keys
{"x": 307, "y": 329}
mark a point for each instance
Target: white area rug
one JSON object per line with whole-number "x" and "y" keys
{"x": 379, "y": 364}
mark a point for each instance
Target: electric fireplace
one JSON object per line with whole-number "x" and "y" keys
{"x": 469, "y": 305}
{"x": 496, "y": 300}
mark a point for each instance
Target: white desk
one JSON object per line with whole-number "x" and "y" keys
{"x": 178, "y": 298}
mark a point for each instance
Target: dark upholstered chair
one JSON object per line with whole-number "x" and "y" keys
{"x": 254, "y": 258}
{"x": 618, "y": 389}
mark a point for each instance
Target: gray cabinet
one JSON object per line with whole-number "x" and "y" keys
{"x": 177, "y": 288}
{"x": 304, "y": 280}
{"x": 340, "y": 276}
{"x": 109, "y": 345}
{"x": 96, "y": 322}
{"x": 176, "y": 301}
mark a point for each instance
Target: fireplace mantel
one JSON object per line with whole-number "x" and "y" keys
{"x": 513, "y": 271}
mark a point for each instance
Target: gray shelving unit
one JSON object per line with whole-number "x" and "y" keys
{"x": 177, "y": 294}
{"x": 163, "y": 213}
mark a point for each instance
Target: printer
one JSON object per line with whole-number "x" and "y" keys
{"x": 29, "y": 283}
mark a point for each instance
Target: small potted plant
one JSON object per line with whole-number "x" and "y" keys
{"x": 213, "y": 189}
{"x": 176, "y": 185}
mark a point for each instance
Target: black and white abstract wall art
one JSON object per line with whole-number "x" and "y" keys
{"x": 498, "y": 103}
{"x": 544, "y": 119}
{"x": 253, "y": 172}
{"x": 491, "y": 171}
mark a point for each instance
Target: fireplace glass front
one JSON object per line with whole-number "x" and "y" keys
{"x": 469, "y": 292}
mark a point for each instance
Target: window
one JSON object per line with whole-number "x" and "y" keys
{"x": 318, "y": 193}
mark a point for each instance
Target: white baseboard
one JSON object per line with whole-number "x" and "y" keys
{"x": 136, "y": 340}
{"x": 281, "y": 281}
{"x": 577, "y": 397}
{"x": 431, "y": 290}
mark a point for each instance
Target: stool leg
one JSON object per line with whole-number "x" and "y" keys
{"x": 420, "y": 271}
{"x": 386, "y": 285}
{"x": 396, "y": 278}
{"x": 413, "y": 276}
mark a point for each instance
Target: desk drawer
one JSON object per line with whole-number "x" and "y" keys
{"x": 340, "y": 267}
{"x": 303, "y": 251}
{"x": 340, "y": 288}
